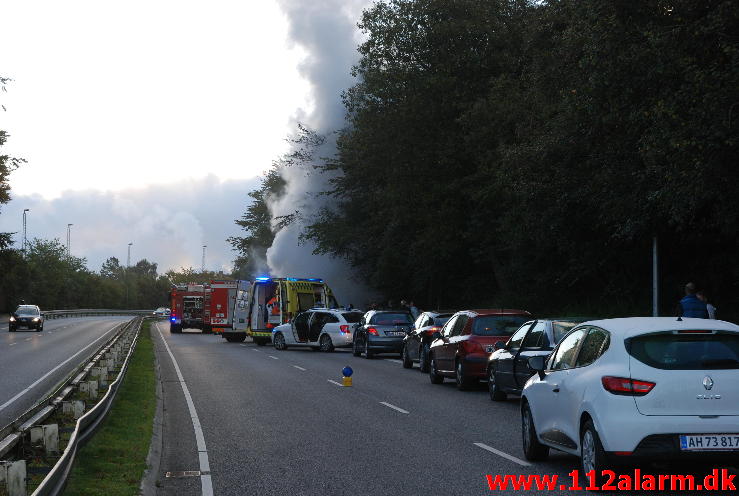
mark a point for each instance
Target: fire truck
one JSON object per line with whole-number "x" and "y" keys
{"x": 267, "y": 302}
{"x": 220, "y": 299}
{"x": 186, "y": 303}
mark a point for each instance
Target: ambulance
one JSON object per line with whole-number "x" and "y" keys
{"x": 267, "y": 302}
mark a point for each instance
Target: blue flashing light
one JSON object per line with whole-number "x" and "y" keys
{"x": 263, "y": 279}
{"x": 172, "y": 319}
{"x": 347, "y": 371}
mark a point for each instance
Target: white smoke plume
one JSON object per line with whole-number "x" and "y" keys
{"x": 326, "y": 30}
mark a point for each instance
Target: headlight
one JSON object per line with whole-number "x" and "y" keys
{"x": 12, "y": 319}
{"x": 36, "y": 319}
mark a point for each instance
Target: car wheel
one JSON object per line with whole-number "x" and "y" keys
{"x": 355, "y": 350}
{"x": 367, "y": 353}
{"x": 279, "y": 342}
{"x": 423, "y": 358}
{"x": 592, "y": 455}
{"x": 495, "y": 393}
{"x": 533, "y": 450}
{"x": 434, "y": 374}
{"x": 39, "y": 329}
{"x": 463, "y": 382}
{"x": 326, "y": 344}
{"x": 407, "y": 362}
{"x": 11, "y": 329}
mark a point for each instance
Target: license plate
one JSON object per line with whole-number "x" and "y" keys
{"x": 395, "y": 333}
{"x": 710, "y": 442}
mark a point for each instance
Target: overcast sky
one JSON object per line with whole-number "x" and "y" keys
{"x": 148, "y": 122}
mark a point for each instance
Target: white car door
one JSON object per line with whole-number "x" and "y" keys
{"x": 547, "y": 405}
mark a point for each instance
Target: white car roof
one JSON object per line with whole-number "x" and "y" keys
{"x": 634, "y": 326}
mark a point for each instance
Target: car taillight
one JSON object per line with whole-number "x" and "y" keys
{"x": 625, "y": 386}
{"x": 373, "y": 331}
{"x": 472, "y": 347}
{"x": 432, "y": 330}
{"x": 344, "y": 329}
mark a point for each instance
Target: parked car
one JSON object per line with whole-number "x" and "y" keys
{"x": 416, "y": 344}
{"x": 636, "y": 389}
{"x": 161, "y": 312}
{"x": 462, "y": 348}
{"x": 318, "y": 328}
{"x": 381, "y": 331}
{"x": 28, "y": 316}
{"x": 508, "y": 366}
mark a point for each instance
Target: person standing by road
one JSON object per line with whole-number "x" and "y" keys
{"x": 709, "y": 308}
{"x": 690, "y": 305}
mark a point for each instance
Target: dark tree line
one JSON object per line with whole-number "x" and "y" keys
{"x": 525, "y": 154}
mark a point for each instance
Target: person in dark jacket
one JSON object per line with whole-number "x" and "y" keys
{"x": 691, "y": 305}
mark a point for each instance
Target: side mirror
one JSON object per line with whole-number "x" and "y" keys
{"x": 538, "y": 364}
{"x": 436, "y": 335}
{"x": 499, "y": 345}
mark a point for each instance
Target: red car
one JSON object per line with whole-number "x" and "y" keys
{"x": 462, "y": 348}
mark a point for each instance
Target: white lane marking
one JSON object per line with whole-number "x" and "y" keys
{"x": 273, "y": 357}
{"x": 242, "y": 344}
{"x": 393, "y": 360}
{"x": 299, "y": 368}
{"x": 395, "y": 407}
{"x": 254, "y": 349}
{"x": 504, "y": 455}
{"x": 12, "y": 344}
{"x": 337, "y": 383}
{"x": 27, "y": 339}
{"x": 11, "y": 400}
{"x": 206, "y": 484}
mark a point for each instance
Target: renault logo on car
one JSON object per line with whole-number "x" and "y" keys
{"x": 707, "y": 382}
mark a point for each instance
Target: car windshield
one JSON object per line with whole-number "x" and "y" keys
{"x": 352, "y": 317}
{"x": 441, "y": 320}
{"x": 391, "y": 318}
{"x": 27, "y": 311}
{"x": 560, "y": 328}
{"x": 687, "y": 351}
{"x": 497, "y": 325}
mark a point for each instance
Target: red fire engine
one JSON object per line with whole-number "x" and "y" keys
{"x": 186, "y": 303}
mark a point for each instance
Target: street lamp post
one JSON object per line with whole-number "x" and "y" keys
{"x": 69, "y": 237}
{"x": 128, "y": 264}
{"x": 24, "y": 230}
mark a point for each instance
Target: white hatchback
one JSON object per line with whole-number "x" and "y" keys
{"x": 635, "y": 389}
{"x": 318, "y": 328}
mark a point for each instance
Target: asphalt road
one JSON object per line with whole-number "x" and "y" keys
{"x": 32, "y": 363}
{"x": 273, "y": 423}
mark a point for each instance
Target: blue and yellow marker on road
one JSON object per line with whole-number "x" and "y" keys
{"x": 347, "y": 379}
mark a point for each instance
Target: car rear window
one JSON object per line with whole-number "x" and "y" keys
{"x": 687, "y": 351}
{"x": 560, "y": 328}
{"x": 391, "y": 318}
{"x": 352, "y": 317}
{"x": 497, "y": 325}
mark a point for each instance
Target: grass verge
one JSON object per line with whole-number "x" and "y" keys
{"x": 112, "y": 463}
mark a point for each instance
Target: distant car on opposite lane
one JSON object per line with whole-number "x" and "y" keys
{"x": 28, "y": 316}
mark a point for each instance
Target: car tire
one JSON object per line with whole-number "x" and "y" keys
{"x": 367, "y": 352}
{"x": 356, "y": 351}
{"x": 279, "y": 342}
{"x": 39, "y": 329}
{"x": 423, "y": 358}
{"x": 407, "y": 362}
{"x": 533, "y": 450}
{"x": 495, "y": 393}
{"x": 592, "y": 455}
{"x": 463, "y": 382}
{"x": 11, "y": 329}
{"x": 326, "y": 344}
{"x": 434, "y": 375}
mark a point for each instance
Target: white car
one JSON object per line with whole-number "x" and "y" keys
{"x": 645, "y": 388}
{"x": 318, "y": 328}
